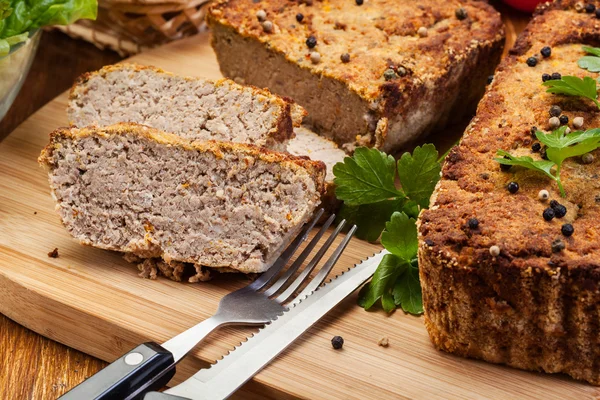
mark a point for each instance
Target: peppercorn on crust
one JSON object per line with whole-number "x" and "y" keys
{"x": 194, "y": 108}
{"x": 352, "y": 102}
{"x": 528, "y": 307}
{"x": 138, "y": 190}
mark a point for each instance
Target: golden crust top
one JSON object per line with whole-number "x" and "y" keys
{"x": 473, "y": 186}
{"x": 376, "y": 35}
{"x": 316, "y": 169}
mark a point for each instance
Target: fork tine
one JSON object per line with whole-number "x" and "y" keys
{"x": 283, "y": 259}
{"x": 311, "y": 266}
{"x": 326, "y": 269}
{"x": 298, "y": 263}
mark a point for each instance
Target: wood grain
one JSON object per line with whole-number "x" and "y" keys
{"x": 38, "y": 368}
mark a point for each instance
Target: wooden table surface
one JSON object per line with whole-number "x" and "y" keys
{"x": 31, "y": 366}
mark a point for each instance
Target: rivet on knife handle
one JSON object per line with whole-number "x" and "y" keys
{"x": 127, "y": 375}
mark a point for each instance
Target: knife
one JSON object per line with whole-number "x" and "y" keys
{"x": 222, "y": 379}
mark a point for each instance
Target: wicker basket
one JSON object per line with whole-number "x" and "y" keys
{"x": 130, "y": 26}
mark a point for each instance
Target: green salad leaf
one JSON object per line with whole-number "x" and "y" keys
{"x": 18, "y": 17}
{"x": 574, "y": 86}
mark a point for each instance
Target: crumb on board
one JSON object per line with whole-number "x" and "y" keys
{"x": 384, "y": 342}
{"x": 53, "y": 253}
{"x": 35, "y": 213}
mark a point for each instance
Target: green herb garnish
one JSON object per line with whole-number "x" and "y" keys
{"x": 18, "y": 17}
{"x": 559, "y": 147}
{"x": 366, "y": 182}
{"x": 591, "y": 62}
{"x": 574, "y": 86}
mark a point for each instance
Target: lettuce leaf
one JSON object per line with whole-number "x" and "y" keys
{"x": 20, "y": 16}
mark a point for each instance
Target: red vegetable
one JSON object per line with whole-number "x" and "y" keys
{"x": 524, "y": 5}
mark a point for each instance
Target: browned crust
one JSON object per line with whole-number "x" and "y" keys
{"x": 477, "y": 42}
{"x": 290, "y": 116}
{"x": 529, "y": 307}
{"x": 315, "y": 169}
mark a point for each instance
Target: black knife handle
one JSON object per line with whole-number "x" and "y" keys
{"x": 147, "y": 367}
{"x": 162, "y": 396}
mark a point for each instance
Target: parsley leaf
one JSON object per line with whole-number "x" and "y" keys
{"x": 544, "y": 166}
{"x": 366, "y": 177}
{"x": 396, "y": 281}
{"x": 559, "y": 147}
{"x": 574, "y": 86}
{"x": 383, "y": 281}
{"x": 591, "y": 63}
{"x": 407, "y": 291}
{"x": 592, "y": 50}
{"x": 370, "y": 219}
{"x": 419, "y": 173}
{"x": 366, "y": 184}
{"x": 400, "y": 236}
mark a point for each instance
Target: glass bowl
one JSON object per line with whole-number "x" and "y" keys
{"x": 14, "y": 68}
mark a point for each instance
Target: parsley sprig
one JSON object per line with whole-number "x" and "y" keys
{"x": 559, "y": 147}
{"x": 366, "y": 182}
{"x": 590, "y": 62}
{"x": 574, "y": 86}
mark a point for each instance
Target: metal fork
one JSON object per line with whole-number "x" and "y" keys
{"x": 151, "y": 366}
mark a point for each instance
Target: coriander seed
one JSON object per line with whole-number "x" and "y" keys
{"x": 494, "y": 251}
{"x": 587, "y": 158}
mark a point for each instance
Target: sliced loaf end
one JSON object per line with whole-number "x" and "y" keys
{"x": 138, "y": 190}
{"x": 194, "y": 108}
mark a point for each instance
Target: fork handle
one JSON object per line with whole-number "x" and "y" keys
{"x": 147, "y": 367}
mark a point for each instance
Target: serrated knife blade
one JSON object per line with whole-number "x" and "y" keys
{"x": 222, "y": 379}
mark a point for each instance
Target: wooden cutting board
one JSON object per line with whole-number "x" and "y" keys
{"x": 94, "y": 301}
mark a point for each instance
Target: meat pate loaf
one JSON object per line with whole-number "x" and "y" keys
{"x": 309, "y": 144}
{"x": 138, "y": 190}
{"x": 513, "y": 289}
{"x": 193, "y": 108}
{"x": 332, "y": 57}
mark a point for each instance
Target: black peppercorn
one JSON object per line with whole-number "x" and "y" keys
{"x": 558, "y": 246}
{"x": 473, "y": 223}
{"x": 546, "y": 51}
{"x": 563, "y": 119}
{"x": 590, "y": 8}
{"x": 543, "y": 154}
{"x": 513, "y": 187}
{"x": 345, "y": 58}
{"x": 555, "y": 111}
{"x": 311, "y": 42}
{"x": 533, "y": 130}
{"x": 548, "y": 214}
{"x": 532, "y": 61}
{"x": 567, "y": 230}
{"x": 299, "y": 17}
{"x": 490, "y": 79}
{"x": 536, "y": 147}
{"x": 337, "y": 342}
{"x": 359, "y": 2}
{"x": 556, "y": 76}
{"x": 554, "y": 203}
{"x": 546, "y": 77}
{"x": 559, "y": 211}
{"x": 460, "y": 13}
